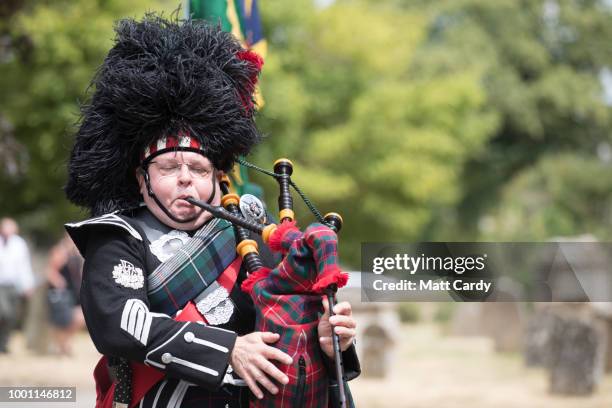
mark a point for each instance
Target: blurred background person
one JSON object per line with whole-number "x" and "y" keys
{"x": 16, "y": 278}
{"x": 64, "y": 272}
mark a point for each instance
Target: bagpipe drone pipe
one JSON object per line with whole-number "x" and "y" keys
{"x": 288, "y": 298}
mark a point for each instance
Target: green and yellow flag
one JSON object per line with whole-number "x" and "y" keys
{"x": 242, "y": 19}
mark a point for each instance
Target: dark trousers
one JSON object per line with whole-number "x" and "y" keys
{"x": 9, "y": 308}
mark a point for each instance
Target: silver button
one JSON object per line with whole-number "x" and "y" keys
{"x": 189, "y": 336}
{"x": 166, "y": 358}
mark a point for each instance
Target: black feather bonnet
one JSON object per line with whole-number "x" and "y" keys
{"x": 160, "y": 78}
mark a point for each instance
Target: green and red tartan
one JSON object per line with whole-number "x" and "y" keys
{"x": 190, "y": 271}
{"x": 288, "y": 301}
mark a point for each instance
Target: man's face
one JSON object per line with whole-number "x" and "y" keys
{"x": 174, "y": 177}
{"x": 8, "y": 227}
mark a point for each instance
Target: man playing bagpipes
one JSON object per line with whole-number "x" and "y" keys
{"x": 172, "y": 109}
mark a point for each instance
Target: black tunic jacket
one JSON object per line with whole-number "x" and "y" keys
{"x": 118, "y": 259}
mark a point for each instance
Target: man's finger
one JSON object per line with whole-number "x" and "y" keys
{"x": 273, "y": 371}
{"x": 325, "y": 307}
{"x": 344, "y": 331}
{"x": 272, "y": 353}
{"x": 345, "y": 321}
{"x": 269, "y": 337}
{"x": 246, "y": 376}
{"x": 325, "y": 340}
{"x": 262, "y": 379}
{"x": 343, "y": 308}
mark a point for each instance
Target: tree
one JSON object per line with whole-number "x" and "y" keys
{"x": 56, "y": 49}
{"x": 541, "y": 63}
{"x": 382, "y": 147}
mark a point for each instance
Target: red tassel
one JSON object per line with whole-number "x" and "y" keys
{"x": 254, "y": 277}
{"x": 336, "y": 276}
{"x": 252, "y": 57}
{"x": 257, "y": 62}
{"x": 276, "y": 239}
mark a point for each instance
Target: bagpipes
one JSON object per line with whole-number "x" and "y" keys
{"x": 287, "y": 301}
{"x": 287, "y": 298}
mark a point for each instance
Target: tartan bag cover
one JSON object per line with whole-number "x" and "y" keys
{"x": 288, "y": 301}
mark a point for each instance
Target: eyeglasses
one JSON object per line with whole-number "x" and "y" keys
{"x": 173, "y": 169}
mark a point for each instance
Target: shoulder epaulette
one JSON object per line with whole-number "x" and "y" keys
{"x": 81, "y": 231}
{"x": 108, "y": 219}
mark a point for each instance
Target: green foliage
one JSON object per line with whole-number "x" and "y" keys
{"x": 382, "y": 147}
{"x": 416, "y": 120}
{"x": 444, "y": 312}
{"x": 60, "y": 45}
{"x": 559, "y": 196}
{"x": 540, "y": 64}
{"x": 409, "y": 312}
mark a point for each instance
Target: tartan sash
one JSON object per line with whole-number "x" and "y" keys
{"x": 193, "y": 268}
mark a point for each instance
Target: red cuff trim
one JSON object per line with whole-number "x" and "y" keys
{"x": 254, "y": 277}
{"x": 276, "y": 239}
{"x": 336, "y": 276}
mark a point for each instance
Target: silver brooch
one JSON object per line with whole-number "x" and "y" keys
{"x": 252, "y": 208}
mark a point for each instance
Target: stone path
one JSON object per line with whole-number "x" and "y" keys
{"x": 430, "y": 370}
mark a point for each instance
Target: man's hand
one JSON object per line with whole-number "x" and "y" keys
{"x": 344, "y": 327}
{"x": 250, "y": 359}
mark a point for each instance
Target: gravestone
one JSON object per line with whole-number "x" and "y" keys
{"x": 36, "y": 327}
{"x": 537, "y": 338}
{"x": 576, "y": 357}
{"x": 376, "y": 359}
{"x": 467, "y": 320}
{"x": 377, "y": 323}
{"x": 603, "y": 310}
{"x": 502, "y": 321}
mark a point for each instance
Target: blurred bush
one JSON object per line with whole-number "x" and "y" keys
{"x": 444, "y": 312}
{"x": 416, "y": 120}
{"x": 50, "y": 51}
{"x": 409, "y": 312}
